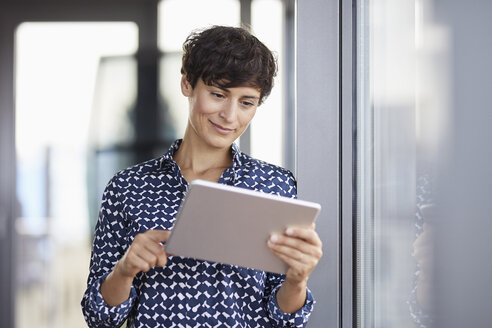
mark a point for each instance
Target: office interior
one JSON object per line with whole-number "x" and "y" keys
{"x": 380, "y": 108}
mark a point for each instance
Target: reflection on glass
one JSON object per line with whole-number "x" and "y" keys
{"x": 56, "y": 69}
{"x": 401, "y": 119}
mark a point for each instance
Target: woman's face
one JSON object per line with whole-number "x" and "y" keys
{"x": 220, "y": 115}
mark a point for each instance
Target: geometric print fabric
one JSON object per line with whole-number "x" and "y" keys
{"x": 186, "y": 292}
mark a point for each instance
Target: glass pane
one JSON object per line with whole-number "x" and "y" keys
{"x": 115, "y": 94}
{"x": 267, "y": 18}
{"x": 177, "y": 18}
{"x": 58, "y": 69}
{"x": 401, "y": 121}
{"x": 173, "y": 100}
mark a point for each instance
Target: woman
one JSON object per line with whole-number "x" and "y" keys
{"x": 226, "y": 74}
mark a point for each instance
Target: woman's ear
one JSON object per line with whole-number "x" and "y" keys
{"x": 186, "y": 88}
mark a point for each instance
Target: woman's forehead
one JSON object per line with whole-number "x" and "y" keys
{"x": 227, "y": 84}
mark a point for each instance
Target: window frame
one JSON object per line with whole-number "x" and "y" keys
{"x": 326, "y": 134}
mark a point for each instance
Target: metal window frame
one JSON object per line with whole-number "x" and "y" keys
{"x": 326, "y": 134}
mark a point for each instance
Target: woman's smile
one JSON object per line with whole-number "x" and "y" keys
{"x": 220, "y": 129}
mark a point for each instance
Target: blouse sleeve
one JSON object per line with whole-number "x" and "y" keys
{"x": 108, "y": 247}
{"x": 277, "y": 317}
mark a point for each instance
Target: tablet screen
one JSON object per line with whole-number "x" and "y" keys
{"x": 231, "y": 225}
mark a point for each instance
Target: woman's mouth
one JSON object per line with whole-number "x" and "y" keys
{"x": 220, "y": 129}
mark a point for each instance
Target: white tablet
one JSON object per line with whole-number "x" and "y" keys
{"x": 231, "y": 225}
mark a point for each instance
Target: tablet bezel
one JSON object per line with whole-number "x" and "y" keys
{"x": 231, "y": 225}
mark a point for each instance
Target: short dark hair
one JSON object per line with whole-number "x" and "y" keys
{"x": 229, "y": 57}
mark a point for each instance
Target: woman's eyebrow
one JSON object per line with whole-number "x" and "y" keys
{"x": 252, "y": 97}
{"x": 229, "y": 91}
{"x": 221, "y": 88}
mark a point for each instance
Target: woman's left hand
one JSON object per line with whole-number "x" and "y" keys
{"x": 301, "y": 249}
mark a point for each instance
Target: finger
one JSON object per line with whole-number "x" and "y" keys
{"x": 290, "y": 252}
{"x": 154, "y": 247}
{"x": 300, "y": 271}
{"x": 158, "y": 251}
{"x": 149, "y": 257}
{"x": 292, "y": 263}
{"x": 142, "y": 243}
{"x": 162, "y": 260}
{"x": 298, "y": 244}
{"x": 136, "y": 264}
{"x": 158, "y": 235}
{"x": 149, "y": 249}
{"x": 152, "y": 259}
{"x": 308, "y": 234}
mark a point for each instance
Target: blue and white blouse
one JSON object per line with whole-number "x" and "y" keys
{"x": 186, "y": 292}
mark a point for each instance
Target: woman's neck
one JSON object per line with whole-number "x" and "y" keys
{"x": 197, "y": 157}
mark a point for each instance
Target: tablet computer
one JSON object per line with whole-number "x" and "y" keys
{"x": 231, "y": 225}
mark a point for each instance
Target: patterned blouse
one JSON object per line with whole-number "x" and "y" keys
{"x": 186, "y": 292}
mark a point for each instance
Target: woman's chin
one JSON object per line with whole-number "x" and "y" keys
{"x": 218, "y": 141}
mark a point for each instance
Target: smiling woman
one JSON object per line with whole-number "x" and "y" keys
{"x": 80, "y": 81}
{"x": 227, "y": 72}
{"x": 219, "y": 115}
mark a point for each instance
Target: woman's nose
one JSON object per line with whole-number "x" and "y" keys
{"x": 228, "y": 113}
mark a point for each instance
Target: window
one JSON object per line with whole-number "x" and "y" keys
{"x": 56, "y": 69}
{"x": 401, "y": 120}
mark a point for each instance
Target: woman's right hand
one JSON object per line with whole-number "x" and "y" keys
{"x": 145, "y": 252}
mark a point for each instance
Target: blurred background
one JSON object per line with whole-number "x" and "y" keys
{"x": 88, "y": 88}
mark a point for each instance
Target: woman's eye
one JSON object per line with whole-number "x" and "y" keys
{"x": 218, "y": 95}
{"x": 248, "y": 103}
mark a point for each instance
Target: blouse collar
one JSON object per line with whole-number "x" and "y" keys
{"x": 167, "y": 160}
